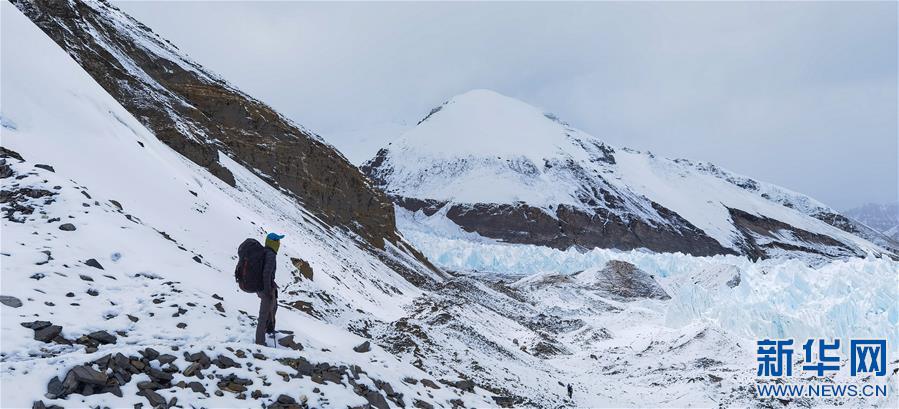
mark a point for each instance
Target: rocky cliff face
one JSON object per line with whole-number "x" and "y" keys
{"x": 199, "y": 115}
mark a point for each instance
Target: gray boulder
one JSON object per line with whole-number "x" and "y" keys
{"x": 48, "y": 333}
{"x": 363, "y": 347}
{"x": 10, "y": 301}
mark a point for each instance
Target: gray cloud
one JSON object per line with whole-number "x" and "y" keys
{"x": 799, "y": 94}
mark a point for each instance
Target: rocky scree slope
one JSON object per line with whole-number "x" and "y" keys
{"x": 199, "y": 115}
{"x": 505, "y": 170}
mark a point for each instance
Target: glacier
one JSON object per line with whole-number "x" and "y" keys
{"x": 775, "y": 298}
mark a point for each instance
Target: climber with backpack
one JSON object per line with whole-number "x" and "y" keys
{"x": 255, "y": 273}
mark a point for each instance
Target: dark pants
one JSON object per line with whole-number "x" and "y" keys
{"x": 268, "y": 306}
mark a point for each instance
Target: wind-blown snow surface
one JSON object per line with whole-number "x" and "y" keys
{"x": 174, "y": 240}
{"x": 483, "y": 147}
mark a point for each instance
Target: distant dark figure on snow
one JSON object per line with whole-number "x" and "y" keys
{"x": 570, "y": 391}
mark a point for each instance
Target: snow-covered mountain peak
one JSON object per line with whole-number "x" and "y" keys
{"x": 482, "y": 146}
{"x": 484, "y": 123}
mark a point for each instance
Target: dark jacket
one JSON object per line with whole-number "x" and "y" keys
{"x": 268, "y": 271}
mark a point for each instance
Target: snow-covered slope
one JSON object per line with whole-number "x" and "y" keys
{"x": 495, "y": 161}
{"x": 124, "y": 249}
{"x": 200, "y": 115}
{"x": 106, "y": 228}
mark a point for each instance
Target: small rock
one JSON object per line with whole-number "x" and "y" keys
{"x": 93, "y": 263}
{"x": 375, "y": 399}
{"x": 148, "y": 385}
{"x": 10, "y": 301}
{"x": 67, "y": 227}
{"x": 225, "y": 362}
{"x": 465, "y": 385}
{"x": 422, "y": 404}
{"x": 166, "y": 359}
{"x": 154, "y": 398}
{"x": 197, "y": 387}
{"x": 92, "y": 292}
{"x": 303, "y": 267}
{"x": 88, "y": 375}
{"x": 429, "y": 383}
{"x": 86, "y": 277}
{"x": 54, "y": 388}
{"x": 232, "y": 387}
{"x": 181, "y": 325}
{"x": 159, "y": 376}
{"x": 102, "y": 337}
{"x": 286, "y": 400}
{"x": 36, "y": 325}
{"x": 504, "y": 401}
{"x": 48, "y": 333}
{"x": 288, "y": 342}
{"x": 219, "y": 307}
{"x": 132, "y": 318}
{"x": 199, "y": 357}
{"x": 192, "y": 369}
{"x": 363, "y": 347}
{"x": 149, "y": 353}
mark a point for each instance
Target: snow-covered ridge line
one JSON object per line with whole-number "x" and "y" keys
{"x": 495, "y": 161}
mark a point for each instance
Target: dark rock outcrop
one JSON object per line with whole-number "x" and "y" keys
{"x": 624, "y": 281}
{"x": 762, "y": 236}
{"x": 199, "y": 115}
{"x": 571, "y": 226}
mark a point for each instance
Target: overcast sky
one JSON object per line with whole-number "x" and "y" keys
{"x": 803, "y": 95}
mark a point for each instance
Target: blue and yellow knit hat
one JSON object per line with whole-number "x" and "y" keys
{"x": 273, "y": 241}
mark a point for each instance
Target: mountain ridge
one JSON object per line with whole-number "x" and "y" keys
{"x": 497, "y": 162}
{"x": 882, "y": 217}
{"x": 199, "y": 114}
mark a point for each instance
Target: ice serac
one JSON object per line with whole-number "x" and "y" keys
{"x": 505, "y": 170}
{"x": 198, "y": 114}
